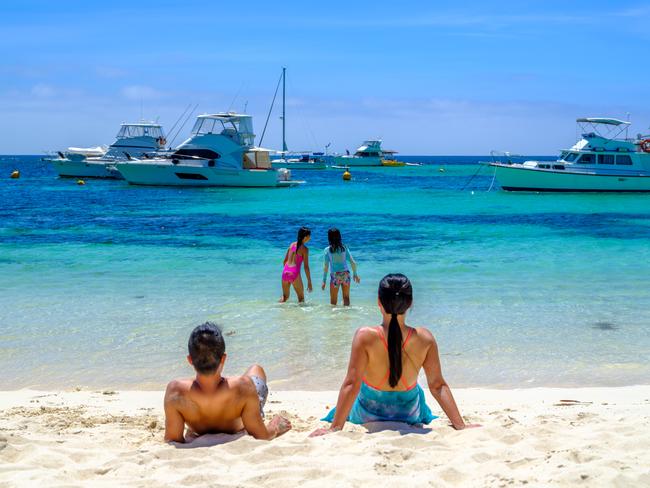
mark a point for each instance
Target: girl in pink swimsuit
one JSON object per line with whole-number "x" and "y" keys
{"x": 293, "y": 259}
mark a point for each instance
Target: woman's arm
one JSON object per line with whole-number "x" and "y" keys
{"x": 351, "y": 384}
{"x": 326, "y": 265}
{"x": 439, "y": 387}
{"x": 307, "y": 270}
{"x": 286, "y": 256}
{"x": 353, "y": 265}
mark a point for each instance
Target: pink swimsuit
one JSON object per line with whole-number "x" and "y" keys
{"x": 291, "y": 271}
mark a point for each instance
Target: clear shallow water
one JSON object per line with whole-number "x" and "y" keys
{"x": 100, "y": 285}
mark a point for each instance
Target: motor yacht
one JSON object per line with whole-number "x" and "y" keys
{"x": 219, "y": 152}
{"x": 601, "y": 161}
{"x": 369, "y": 153}
{"x": 132, "y": 141}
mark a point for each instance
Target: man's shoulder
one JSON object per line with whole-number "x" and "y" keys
{"x": 242, "y": 385}
{"x": 177, "y": 388}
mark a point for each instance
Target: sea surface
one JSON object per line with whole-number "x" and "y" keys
{"x": 101, "y": 284}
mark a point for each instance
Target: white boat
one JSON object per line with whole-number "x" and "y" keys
{"x": 305, "y": 161}
{"x": 132, "y": 141}
{"x": 219, "y": 152}
{"x": 86, "y": 152}
{"x": 601, "y": 161}
{"x": 369, "y": 153}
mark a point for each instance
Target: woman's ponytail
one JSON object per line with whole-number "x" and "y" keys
{"x": 394, "y": 351}
{"x": 396, "y": 296}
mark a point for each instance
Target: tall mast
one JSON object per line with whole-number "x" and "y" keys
{"x": 284, "y": 141}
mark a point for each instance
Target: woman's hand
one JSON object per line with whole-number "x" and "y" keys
{"x": 309, "y": 287}
{"x": 321, "y": 432}
{"x": 466, "y": 426}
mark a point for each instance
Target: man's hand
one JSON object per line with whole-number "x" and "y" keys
{"x": 280, "y": 425}
{"x": 322, "y": 287}
{"x": 357, "y": 279}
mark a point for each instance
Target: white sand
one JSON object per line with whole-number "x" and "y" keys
{"x": 530, "y": 437}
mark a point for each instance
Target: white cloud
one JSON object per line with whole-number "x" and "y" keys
{"x": 141, "y": 92}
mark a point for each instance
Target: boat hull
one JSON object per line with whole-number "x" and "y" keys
{"x": 516, "y": 178}
{"x": 84, "y": 169}
{"x": 356, "y": 161}
{"x": 178, "y": 175}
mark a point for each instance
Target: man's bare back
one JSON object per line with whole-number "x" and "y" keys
{"x": 211, "y": 403}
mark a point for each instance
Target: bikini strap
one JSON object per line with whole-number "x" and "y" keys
{"x": 408, "y": 336}
{"x": 380, "y": 333}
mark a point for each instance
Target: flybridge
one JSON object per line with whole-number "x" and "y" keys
{"x": 604, "y": 127}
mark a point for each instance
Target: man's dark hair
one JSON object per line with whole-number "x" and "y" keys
{"x": 206, "y": 347}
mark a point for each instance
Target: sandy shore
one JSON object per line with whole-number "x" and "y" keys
{"x": 532, "y": 437}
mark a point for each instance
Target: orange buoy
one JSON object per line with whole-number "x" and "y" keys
{"x": 15, "y": 174}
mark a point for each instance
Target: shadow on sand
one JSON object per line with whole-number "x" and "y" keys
{"x": 208, "y": 440}
{"x": 401, "y": 427}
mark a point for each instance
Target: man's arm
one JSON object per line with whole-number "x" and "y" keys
{"x": 252, "y": 418}
{"x": 174, "y": 421}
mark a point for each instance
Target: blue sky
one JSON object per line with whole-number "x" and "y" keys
{"x": 427, "y": 77}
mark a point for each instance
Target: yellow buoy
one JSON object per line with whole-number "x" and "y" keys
{"x": 81, "y": 182}
{"x": 15, "y": 174}
{"x": 347, "y": 176}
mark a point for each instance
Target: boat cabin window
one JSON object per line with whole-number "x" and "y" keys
{"x": 623, "y": 159}
{"x": 187, "y": 153}
{"x": 204, "y": 126}
{"x": 570, "y": 157}
{"x": 587, "y": 159}
{"x": 605, "y": 159}
{"x": 544, "y": 166}
{"x": 139, "y": 131}
{"x": 368, "y": 154}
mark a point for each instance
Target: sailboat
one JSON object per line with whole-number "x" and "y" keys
{"x": 304, "y": 160}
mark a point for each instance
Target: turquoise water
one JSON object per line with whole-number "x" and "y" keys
{"x": 101, "y": 284}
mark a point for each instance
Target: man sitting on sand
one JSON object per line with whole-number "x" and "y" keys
{"x": 211, "y": 403}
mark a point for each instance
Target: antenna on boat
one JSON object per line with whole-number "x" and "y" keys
{"x": 179, "y": 118}
{"x": 270, "y": 109}
{"x": 245, "y": 106}
{"x": 236, "y": 96}
{"x": 284, "y": 92}
{"x": 171, "y": 143}
{"x": 627, "y": 127}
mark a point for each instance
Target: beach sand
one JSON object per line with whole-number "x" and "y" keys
{"x": 532, "y": 437}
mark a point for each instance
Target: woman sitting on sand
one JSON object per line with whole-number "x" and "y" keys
{"x": 296, "y": 254}
{"x": 336, "y": 259}
{"x": 381, "y": 383}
